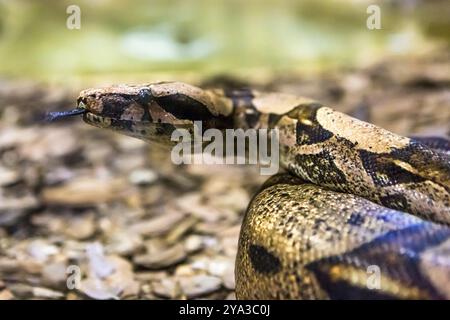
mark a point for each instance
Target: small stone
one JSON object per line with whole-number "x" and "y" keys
{"x": 146, "y": 289}
{"x": 117, "y": 281}
{"x": 40, "y": 250}
{"x": 184, "y": 270}
{"x": 129, "y": 144}
{"x": 228, "y": 279}
{"x": 6, "y": 295}
{"x": 58, "y": 175}
{"x": 8, "y": 176}
{"x": 180, "y": 229}
{"x": 229, "y": 240}
{"x": 123, "y": 243}
{"x": 193, "y": 243}
{"x": 55, "y": 273}
{"x": 21, "y": 290}
{"x": 158, "y": 225}
{"x": 8, "y": 265}
{"x": 167, "y": 288}
{"x": 199, "y": 285}
{"x": 46, "y": 293}
{"x": 97, "y": 289}
{"x": 10, "y": 217}
{"x": 235, "y": 200}
{"x": 155, "y": 245}
{"x": 99, "y": 265}
{"x": 211, "y": 228}
{"x": 47, "y": 144}
{"x": 31, "y": 266}
{"x": 149, "y": 196}
{"x": 193, "y": 203}
{"x": 80, "y": 226}
{"x": 72, "y": 296}
{"x": 143, "y": 177}
{"x": 231, "y": 296}
{"x": 150, "y": 276}
{"x": 219, "y": 266}
{"x": 52, "y": 222}
{"x": 84, "y": 191}
{"x": 232, "y": 231}
{"x": 22, "y": 203}
{"x": 123, "y": 277}
{"x": 163, "y": 258}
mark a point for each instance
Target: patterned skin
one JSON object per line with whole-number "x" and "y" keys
{"x": 300, "y": 241}
{"x": 313, "y": 233}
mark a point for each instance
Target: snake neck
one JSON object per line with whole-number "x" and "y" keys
{"x": 336, "y": 151}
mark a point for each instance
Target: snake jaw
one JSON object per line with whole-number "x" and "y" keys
{"x": 96, "y": 120}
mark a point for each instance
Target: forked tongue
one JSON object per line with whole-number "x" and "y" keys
{"x": 56, "y": 115}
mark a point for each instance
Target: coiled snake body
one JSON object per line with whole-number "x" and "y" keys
{"x": 357, "y": 201}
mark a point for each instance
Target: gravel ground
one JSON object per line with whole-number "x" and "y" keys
{"x": 88, "y": 214}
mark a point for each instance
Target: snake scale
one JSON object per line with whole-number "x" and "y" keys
{"x": 354, "y": 200}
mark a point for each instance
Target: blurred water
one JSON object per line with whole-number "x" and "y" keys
{"x": 222, "y": 36}
{"x": 160, "y": 44}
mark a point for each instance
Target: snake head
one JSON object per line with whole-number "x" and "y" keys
{"x": 152, "y": 111}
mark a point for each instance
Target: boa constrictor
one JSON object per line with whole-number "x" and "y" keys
{"x": 357, "y": 201}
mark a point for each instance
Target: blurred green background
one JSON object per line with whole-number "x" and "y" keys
{"x": 125, "y": 39}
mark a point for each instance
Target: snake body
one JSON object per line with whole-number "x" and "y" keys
{"x": 355, "y": 201}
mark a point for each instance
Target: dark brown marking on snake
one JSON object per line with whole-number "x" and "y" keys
{"x": 342, "y": 290}
{"x": 308, "y": 129}
{"x": 356, "y": 219}
{"x": 121, "y": 124}
{"x": 311, "y": 134}
{"x": 262, "y": 260}
{"x": 114, "y": 105}
{"x": 165, "y": 129}
{"x": 184, "y": 107}
{"x": 395, "y": 201}
{"x": 321, "y": 168}
{"x": 433, "y": 165}
{"x": 387, "y": 169}
{"x": 384, "y": 172}
{"x": 404, "y": 260}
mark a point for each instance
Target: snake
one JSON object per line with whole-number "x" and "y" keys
{"x": 357, "y": 212}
